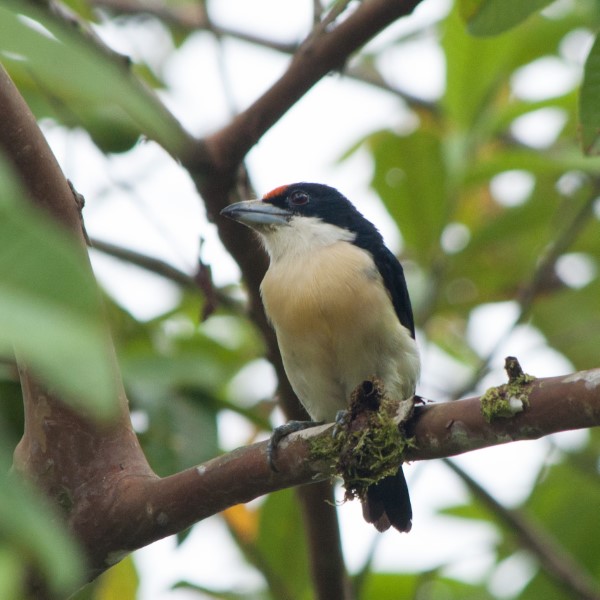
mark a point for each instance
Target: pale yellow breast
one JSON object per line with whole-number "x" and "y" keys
{"x": 325, "y": 289}
{"x": 336, "y": 326}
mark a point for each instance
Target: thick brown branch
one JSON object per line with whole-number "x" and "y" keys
{"x": 23, "y": 144}
{"x": 74, "y": 460}
{"x": 439, "y": 430}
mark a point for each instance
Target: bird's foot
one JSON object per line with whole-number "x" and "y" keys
{"x": 283, "y": 431}
{"x": 342, "y": 418}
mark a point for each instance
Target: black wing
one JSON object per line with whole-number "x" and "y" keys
{"x": 393, "y": 278}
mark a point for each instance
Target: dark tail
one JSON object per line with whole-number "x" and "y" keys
{"x": 388, "y": 504}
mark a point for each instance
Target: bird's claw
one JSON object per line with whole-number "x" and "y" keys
{"x": 283, "y": 431}
{"x": 342, "y": 418}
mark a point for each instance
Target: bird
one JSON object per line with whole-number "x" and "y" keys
{"x": 339, "y": 303}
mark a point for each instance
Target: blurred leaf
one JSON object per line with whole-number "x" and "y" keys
{"x": 448, "y": 332}
{"x": 120, "y": 581}
{"x": 542, "y": 586}
{"x": 569, "y": 518}
{"x": 552, "y": 163}
{"x": 176, "y": 372}
{"x": 243, "y": 522}
{"x": 444, "y": 588}
{"x": 430, "y": 586}
{"x": 490, "y": 17}
{"x": 12, "y": 572}
{"x": 473, "y": 511}
{"x": 282, "y": 545}
{"x": 389, "y": 586}
{"x": 82, "y": 8}
{"x": 49, "y": 305}
{"x": 589, "y": 102}
{"x": 503, "y": 247}
{"x": 35, "y": 533}
{"x": 11, "y": 408}
{"x": 181, "y": 433}
{"x": 571, "y": 323}
{"x": 174, "y": 351}
{"x": 79, "y": 84}
{"x": 403, "y": 180}
{"x": 478, "y": 70}
{"x": 204, "y": 592}
{"x": 500, "y": 121}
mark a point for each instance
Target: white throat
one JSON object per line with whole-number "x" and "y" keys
{"x": 302, "y": 235}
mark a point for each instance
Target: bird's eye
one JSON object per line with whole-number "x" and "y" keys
{"x": 299, "y": 198}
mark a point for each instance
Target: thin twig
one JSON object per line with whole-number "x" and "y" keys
{"x": 556, "y": 561}
{"x": 555, "y": 249}
{"x": 328, "y": 571}
{"x": 537, "y": 281}
{"x": 149, "y": 263}
{"x": 192, "y": 20}
{"x": 162, "y": 268}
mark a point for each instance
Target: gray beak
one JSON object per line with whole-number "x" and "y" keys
{"x": 256, "y": 213}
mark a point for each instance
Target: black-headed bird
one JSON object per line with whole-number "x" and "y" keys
{"x": 338, "y": 301}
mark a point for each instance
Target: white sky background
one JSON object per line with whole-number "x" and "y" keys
{"x": 143, "y": 200}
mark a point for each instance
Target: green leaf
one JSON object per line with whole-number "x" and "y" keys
{"x": 49, "y": 306}
{"x": 444, "y": 588}
{"x": 181, "y": 433}
{"x": 473, "y": 511}
{"x": 30, "y": 530}
{"x": 79, "y": 84}
{"x": 285, "y": 563}
{"x": 589, "y": 102}
{"x": 204, "y": 591}
{"x": 550, "y": 164}
{"x": 120, "y": 581}
{"x": 543, "y": 586}
{"x": 490, "y": 17}
{"x": 389, "y": 586}
{"x": 505, "y": 115}
{"x": 565, "y": 502}
{"x": 503, "y": 247}
{"x": 570, "y": 321}
{"x": 478, "y": 70}
{"x": 12, "y": 572}
{"x": 410, "y": 178}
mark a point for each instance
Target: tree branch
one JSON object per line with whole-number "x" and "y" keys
{"x": 537, "y": 282}
{"x": 323, "y": 533}
{"x": 213, "y": 167}
{"x": 168, "y": 271}
{"x": 104, "y": 471}
{"x": 317, "y": 56}
{"x": 153, "y": 508}
{"x": 555, "y": 404}
{"x": 71, "y": 458}
{"x": 219, "y": 156}
{"x": 193, "y": 18}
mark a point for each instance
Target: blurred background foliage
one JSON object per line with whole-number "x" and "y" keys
{"x": 487, "y": 213}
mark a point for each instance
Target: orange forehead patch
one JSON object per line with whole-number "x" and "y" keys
{"x": 276, "y": 192}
